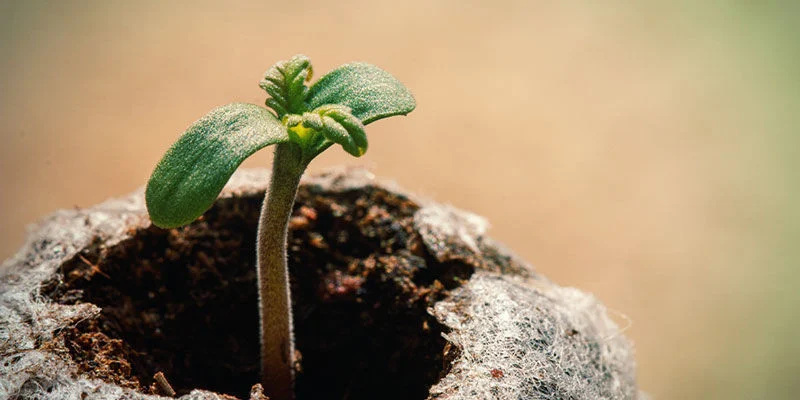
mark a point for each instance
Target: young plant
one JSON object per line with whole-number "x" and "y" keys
{"x": 305, "y": 122}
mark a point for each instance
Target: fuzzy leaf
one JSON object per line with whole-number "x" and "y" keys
{"x": 370, "y": 92}
{"x": 285, "y": 82}
{"x": 194, "y": 170}
{"x": 339, "y": 125}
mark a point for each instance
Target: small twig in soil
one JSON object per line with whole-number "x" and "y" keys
{"x": 162, "y": 384}
{"x": 95, "y": 268}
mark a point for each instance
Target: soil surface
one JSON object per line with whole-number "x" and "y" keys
{"x": 183, "y": 301}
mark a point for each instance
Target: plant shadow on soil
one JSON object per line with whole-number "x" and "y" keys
{"x": 184, "y": 301}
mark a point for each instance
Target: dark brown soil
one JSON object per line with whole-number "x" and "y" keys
{"x": 183, "y": 301}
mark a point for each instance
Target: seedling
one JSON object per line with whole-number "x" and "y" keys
{"x": 306, "y": 121}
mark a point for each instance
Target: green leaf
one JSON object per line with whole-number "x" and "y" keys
{"x": 370, "y": 92}
{"x": 339, "y": 125}
{"x": 285, "y": 82}
{"x": 194, "y": 170}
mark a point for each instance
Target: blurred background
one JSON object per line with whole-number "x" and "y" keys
{"x": 641, "y": 151}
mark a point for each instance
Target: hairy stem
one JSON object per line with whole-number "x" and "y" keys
{"x": 275, "y": 304}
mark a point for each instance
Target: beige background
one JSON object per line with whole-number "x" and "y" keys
{"x": 639, "y": 152}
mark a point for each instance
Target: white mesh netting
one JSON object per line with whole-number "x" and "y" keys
{"x": 523, "y": 339}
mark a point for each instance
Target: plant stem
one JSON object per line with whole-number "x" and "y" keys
{"x": 275, "y": 304}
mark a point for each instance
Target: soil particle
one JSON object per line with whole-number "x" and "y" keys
{"x": 184, "y": 302}
{"x": 497, "y": 373}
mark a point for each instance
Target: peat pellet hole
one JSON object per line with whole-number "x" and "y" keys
{"x": 184, "y": 301}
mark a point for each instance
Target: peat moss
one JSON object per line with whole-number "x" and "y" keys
{"x": 184, "y": 302}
